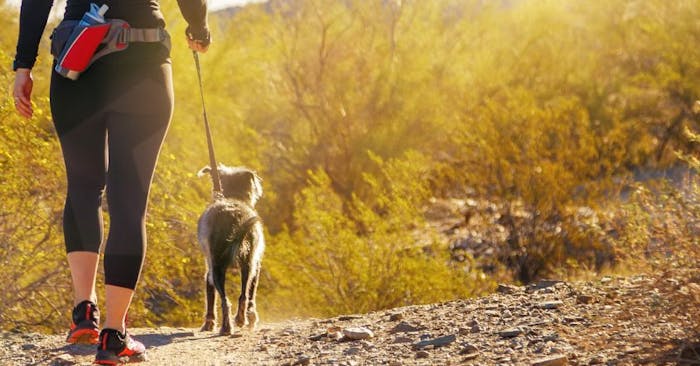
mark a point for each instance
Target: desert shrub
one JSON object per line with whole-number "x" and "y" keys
{"x": 363, "y": 256}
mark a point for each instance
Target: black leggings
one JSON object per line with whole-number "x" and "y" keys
{"x": 111, "y": 123}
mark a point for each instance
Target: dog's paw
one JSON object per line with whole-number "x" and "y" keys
{"x": 208, "y": 326}
{"x": 252, "y": 319}
{"x": 225, "y": 329}
{"x": 240, "y": 320}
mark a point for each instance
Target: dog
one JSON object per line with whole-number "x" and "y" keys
{"x": 230, "y": 232}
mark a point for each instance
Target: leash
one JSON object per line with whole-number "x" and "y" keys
{"x": 216, "y": 180}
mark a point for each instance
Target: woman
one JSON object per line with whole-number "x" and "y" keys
{"x": 111, "y": 123}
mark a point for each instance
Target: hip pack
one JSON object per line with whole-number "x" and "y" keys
{"x": 76, "y": 46}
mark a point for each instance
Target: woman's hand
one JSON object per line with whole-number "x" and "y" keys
{"x": 198, "y": 41}
{"x": 198, "y": 46}
{"x": 22, "y": 92}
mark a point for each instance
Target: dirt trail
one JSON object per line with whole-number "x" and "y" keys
{"x": 612, "y": 321}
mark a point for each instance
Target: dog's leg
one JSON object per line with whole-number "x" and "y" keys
{"x": 243, "y": 299}
{"x": 252, "y": 314}
{"x": 219, "y": 280}
{"x": 209, "y": 318}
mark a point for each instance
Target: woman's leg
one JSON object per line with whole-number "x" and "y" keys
{"x": 83, "y": 270}
{"x": 82, "y": 134}
{"x": 137, "y": 122}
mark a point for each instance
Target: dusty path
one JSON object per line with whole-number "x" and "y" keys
{"x": 612, "y": 321}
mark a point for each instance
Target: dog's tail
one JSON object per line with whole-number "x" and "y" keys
{"x": 227, "y": 237}
{"x": 244, "y": 228}
{"x": 227, "y": 241}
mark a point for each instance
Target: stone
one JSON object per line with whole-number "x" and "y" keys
{"x": 422, "y": 354}
{"x": 63, "y": 360}
{"x": 405, "y": 327}
{"x": 357, "y": 333}
{"x": 400, "y": 339}
{"x": 396, "y": 317}
{"x": 28, "y": 347}
{"x": 585, "y": 299}
{"x": 542, "y": 284}
{"x": 550, "y": 305}
{"x": 468, "y": 349}
{"x": 510, "y": 332}
{"x": 352, "y": 351}
{"x": 507, "y": 289}
{"x": 435, "y": 342}
{"x": 476, "y": 328}
{"x": 557, "y": 360}
{"x": 302, "y": 360}
{"x": 349, "y": 317}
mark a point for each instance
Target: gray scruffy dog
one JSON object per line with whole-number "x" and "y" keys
{"x": 230, "y": 230}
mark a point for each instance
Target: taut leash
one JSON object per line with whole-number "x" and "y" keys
{"x": 212, "y": 159}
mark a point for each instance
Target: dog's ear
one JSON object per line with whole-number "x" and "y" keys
{"x": 203, "y": 171}
{"x": 256, "y": 182}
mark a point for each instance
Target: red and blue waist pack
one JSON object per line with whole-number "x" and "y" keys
{"x": 76, "y": 44}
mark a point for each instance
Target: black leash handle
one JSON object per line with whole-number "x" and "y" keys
{"x": 216, "y": 180}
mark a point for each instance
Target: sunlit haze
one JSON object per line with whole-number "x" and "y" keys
{"x": 213, "y": 4}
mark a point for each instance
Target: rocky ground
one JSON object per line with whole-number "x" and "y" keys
{"x": 634, "y": 320}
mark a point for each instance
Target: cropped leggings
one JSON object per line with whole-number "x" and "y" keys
{"x": 111, "y": 123}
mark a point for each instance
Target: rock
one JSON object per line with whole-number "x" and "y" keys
{"x": 396, "y": 317}
{"x": 471, "y": 356}
{"x": 404, "y": 327}
{"x": 558, "y": 360}
{"x": 510, "y": 332}
{"x": 349, "y": 317}
{"x": 367, "y": 345}
{"x": 28, "y": 347}
{"x": 63, "y": 360}
{"x": 422, "y": 354}
{"x": 549, "y": 305}
{"x": 468, "y": 349}
{"x": 402, "y": 340}
{"x": 507, "y": 289}
{"x": 303, "y": 360}
{"x": 352, "y": 351}
{"x": 317, "y": 337}
{"x": 435, "y": 342}
{"x": 334, "y": 333}
{"x": 542, "y": 284}
{"x": 507, "y": 314}
{"x": 357, "y": 333}
{"x": 585, "y": 299}
{"x": 476, "y": 328}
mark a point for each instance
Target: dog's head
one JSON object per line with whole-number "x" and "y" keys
{"x": 238, "y": 183}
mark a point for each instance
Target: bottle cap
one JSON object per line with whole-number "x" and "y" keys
{"x": 103, "y": 10}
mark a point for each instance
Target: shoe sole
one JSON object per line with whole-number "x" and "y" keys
{"x": 83, "y": 336}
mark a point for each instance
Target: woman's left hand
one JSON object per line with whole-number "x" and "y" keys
{"x": 22, "y": 92}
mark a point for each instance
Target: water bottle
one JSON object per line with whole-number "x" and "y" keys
{"x": 94, "y": 16}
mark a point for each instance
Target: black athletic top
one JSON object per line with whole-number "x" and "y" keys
{"x": 138, "y": 13}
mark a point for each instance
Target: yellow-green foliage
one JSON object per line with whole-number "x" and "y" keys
{"x": 355, "y": 113}
{"x": 366, "y": 256}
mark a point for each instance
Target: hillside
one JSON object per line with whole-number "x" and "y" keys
{"x": 633, "y": 320}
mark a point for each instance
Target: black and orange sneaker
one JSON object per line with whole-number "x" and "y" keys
{"x": 84, "y": 328}
{"x": 115, "y": 348}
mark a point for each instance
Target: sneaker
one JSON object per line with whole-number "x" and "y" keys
{"x": 84, "y": 328}
{"x": 115, "y": 348}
